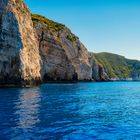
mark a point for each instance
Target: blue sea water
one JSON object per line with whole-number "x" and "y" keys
{"x": 80, "y": 111}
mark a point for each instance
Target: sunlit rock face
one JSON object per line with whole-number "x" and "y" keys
{"x": 30, "y": 54}
{"x": 98, "y": 72}
{"x": 19, "y": 53}
{"x": 64, "y": 57}
{"x": 38, "y": 49}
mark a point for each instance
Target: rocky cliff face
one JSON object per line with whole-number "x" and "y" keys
{"x": 98, "y": 72}
{"x": 47, "y": 51}
{"x": 64, "y": 57}
{"x": 134, "y": 66}
{"x": 19, "y": 51}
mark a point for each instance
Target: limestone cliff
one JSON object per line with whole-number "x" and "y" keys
{"x": 98, "y": 72}
{"x": 64, "y": 57}
{"x": 19, "y": 52}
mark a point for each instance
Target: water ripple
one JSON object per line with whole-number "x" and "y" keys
{"x": 99, "y": 111}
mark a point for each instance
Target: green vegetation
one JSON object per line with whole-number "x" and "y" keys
{"x": 117, "y": 66}
{"x": 51, "y": 25}
{"x": 21, "y": 6}
{"x": 72, "y": 37}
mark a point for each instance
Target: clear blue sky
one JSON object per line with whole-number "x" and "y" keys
{"x": 102, "y": 25}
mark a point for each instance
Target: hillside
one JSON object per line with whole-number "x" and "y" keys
{"x": 118, "y": 67}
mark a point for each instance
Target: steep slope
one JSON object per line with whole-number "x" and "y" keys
{"x": 98, "y": 72}
{"x": 118, "y": 67}
{"x": 64, "y": 57}
{"x": 19, "y": 53}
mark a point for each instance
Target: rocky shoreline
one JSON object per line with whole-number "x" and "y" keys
{"x": 35, "y": 50}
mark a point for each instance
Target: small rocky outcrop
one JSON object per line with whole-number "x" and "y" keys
{"x": 19, "y": 51}
{"x": 98, "y": 72}
{"x": 64, "y": 57}
{"x": 134, "y": 66}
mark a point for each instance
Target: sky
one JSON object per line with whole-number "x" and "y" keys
{"x": 102, "y": 25}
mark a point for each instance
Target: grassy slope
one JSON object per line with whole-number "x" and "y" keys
{"x": 51, "y": 25}
{"x": 117, "y": 66}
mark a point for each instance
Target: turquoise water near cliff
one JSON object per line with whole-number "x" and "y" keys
{"x": 91, "y": 111}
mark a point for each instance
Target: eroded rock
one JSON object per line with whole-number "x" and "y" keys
{"x": 64, "y": 57}
{"x": 19, "y": 53}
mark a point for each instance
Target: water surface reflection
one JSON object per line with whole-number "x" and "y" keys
{"x": 27, "y": 108}
{"x": 71, "y": 112}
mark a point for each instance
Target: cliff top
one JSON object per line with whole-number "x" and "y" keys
{"x": 51, "y": 25}
{"x": 54, "y": 26}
